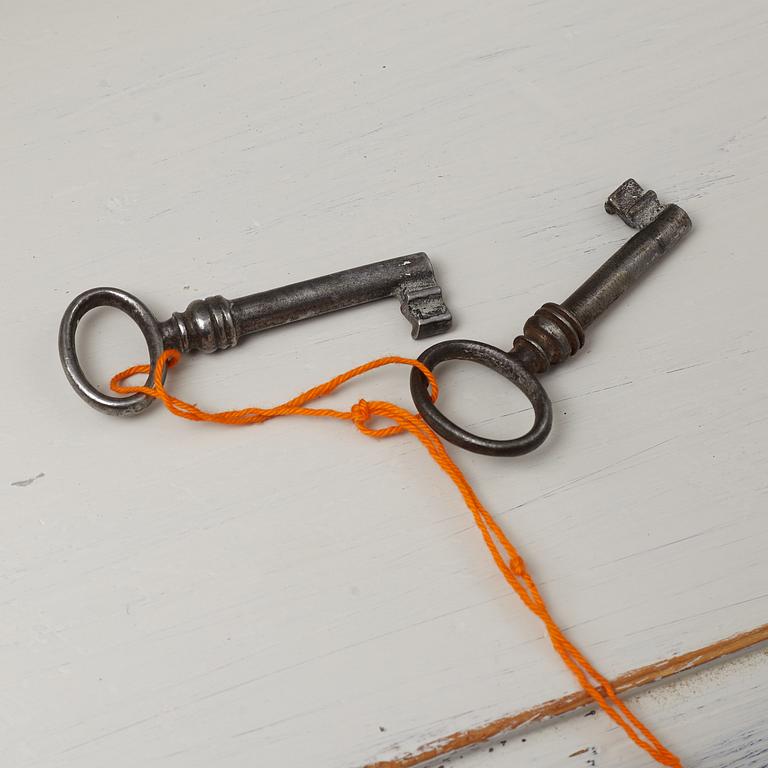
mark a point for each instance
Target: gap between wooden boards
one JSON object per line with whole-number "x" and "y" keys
{"x": 627, "y": 682}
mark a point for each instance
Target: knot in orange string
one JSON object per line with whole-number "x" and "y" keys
{"x": 507, "y": 559}
{"x": 361, "y": 412}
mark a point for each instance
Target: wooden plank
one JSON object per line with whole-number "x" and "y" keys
{"x": 295, "y": 594}
{"x": 716, "y": 713}
{"x": 628, "y": 682}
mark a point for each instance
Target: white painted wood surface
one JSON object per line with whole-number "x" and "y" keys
{"x": 716, "y": 713}
{"x": 296, "y": 594}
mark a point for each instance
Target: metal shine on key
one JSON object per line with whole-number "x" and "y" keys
{"x": 218, "y": 323}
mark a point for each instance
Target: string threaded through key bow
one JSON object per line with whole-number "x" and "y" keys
{"x": 506, "y": 557}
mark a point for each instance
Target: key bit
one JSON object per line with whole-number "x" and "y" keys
{"x": 636, "y": 207}
{"x": 421, "y": 302}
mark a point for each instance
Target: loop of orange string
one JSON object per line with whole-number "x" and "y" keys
{"x": 507, "y": 559}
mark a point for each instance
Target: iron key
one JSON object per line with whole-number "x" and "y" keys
{"x": 217, "y": 323}
{"x": 556, "y": 331}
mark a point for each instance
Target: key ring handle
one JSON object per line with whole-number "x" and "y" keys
{"x": 504, "y": 364}
{"x": 138, "y": 312}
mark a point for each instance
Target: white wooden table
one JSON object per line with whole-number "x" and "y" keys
{"x": 294, "y": 594}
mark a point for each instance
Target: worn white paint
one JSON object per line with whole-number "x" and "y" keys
{"x": 179, "y": 594}
{"x": 716, "y": 715}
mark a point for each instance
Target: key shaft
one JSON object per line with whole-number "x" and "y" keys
{"x": 556, "y": 331}
{"x": 217, "y": 323}
{"x": 622, "y": 270}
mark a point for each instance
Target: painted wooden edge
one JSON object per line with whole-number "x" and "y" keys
{"x": 626, "y": 682}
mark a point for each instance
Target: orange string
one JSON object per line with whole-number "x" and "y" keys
{"x": 504, "y": 554}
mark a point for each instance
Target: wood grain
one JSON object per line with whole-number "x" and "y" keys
{"x": 630, "y": 681}
{"x": 715, "y": 713}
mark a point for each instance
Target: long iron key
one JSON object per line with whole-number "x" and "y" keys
{"x": 218, "y": 323}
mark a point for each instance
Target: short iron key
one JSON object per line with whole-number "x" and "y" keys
{"x": 556, "y": 331}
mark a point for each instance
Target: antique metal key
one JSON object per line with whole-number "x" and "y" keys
{"x": 218, "y": 323}
{"x": 556, "y": 331}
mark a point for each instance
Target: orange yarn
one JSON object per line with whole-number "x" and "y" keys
{"x": 509, "y": 562}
